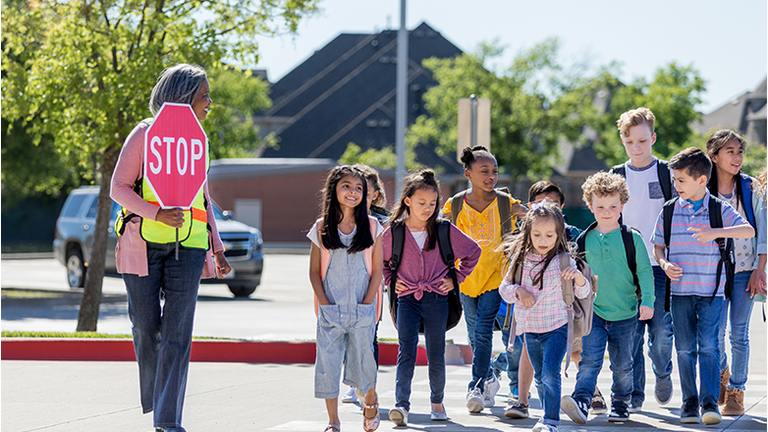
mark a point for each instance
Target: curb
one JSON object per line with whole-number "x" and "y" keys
{"x": 72, "y": 349}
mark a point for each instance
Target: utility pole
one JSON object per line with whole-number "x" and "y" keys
{"x": 401, "y": 110}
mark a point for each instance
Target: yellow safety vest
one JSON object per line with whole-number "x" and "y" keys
{"x": 193, "y": 233}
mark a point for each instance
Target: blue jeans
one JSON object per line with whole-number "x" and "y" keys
{"x": 614, "y": 334}
{"x": 660, "y": 337}
{"x": 546, "y": 351}
{"x": 432, "y": 310}
{"x": 508, "y": 361}
{"x": 697, "y": 323}
{"x": 737, "y": 310}
{"x": 162, "y": 333}
{"x": 480, "y": 313}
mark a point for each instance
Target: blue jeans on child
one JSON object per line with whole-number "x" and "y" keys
{"x": 508, "y": 361}
{"x": 162, "y": 336}
{"x": 620, "y": 346}
{"x": 660, "y": 340}
{"x": 697, "y": 322}
{"x": 737, "y": 310}
{"x": 546, "y": 351}
{"x": 480, "y": 313}
{"x": 432, "y": 310}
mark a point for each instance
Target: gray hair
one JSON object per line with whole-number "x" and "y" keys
{"x": 178, "y": 84}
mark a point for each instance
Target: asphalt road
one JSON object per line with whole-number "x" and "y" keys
{"x": 280, "y": 309}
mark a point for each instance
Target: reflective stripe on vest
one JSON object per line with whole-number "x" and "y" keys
{"x": 193, "y": 233}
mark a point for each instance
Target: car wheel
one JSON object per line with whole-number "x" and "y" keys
{"x": 75, "y": 268}
{"x": 242, "y": 290}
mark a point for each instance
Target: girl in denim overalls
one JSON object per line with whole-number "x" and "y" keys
{"x": 345, "y": 271}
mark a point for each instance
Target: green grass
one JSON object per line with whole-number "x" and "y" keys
{"x": 85, "y": 335}
{"x": 29, "y": 294}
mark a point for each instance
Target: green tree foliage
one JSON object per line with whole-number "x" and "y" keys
{"x": 380, "y": 159}
{"x": 81, "y": 71}
{"x": 672, "y": 95}
{"x": 535, "y": 103}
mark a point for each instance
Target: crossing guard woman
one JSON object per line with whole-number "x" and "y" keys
{"x": 162, "y": 291}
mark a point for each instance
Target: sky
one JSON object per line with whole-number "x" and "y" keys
{"x": 724, "y": 40}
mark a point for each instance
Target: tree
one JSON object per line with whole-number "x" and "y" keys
{"x": 535, "y": 103}
{"x": 81, "y": 71}
{"x": 380, "y": 159}
{"x": 672, "y": 95}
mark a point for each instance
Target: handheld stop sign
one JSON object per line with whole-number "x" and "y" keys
{"x": 176, "y": 157}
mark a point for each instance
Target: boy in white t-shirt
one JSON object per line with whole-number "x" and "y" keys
{"x": 650, "y": 187}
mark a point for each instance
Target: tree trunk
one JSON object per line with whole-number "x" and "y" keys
{"x": 88, "y": 316}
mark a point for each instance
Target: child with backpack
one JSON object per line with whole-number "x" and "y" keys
{"x": 486, "y": 214}
{"x": 345, "y": 270}
{"x": 415, "y": 271}
{"x": 726, "y": 150}
{"x": 377, "y": 199}
{"x": 615, "y": 311}
{"x": 536, "y": 283}
{"x": 650, "y": 186}
{"x": 692, "y": 230}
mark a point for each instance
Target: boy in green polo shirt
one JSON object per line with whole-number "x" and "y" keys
{"x": 615, "y": 312}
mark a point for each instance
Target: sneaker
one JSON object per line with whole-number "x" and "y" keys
{"x": 350, "y": 396}
{"x": 492, "y": 387}
{"x": 516, "y": 409}
{"x": 475, "y": 401}
{"x": 577, "y": 410}
{"x": 549, "y": 428}
{"x": 734, "y": 402}
{"x": 689, "y": 414}
{"x": 635, "y": 406}
{"x": 711, "y": 416}
{"x": 598, "y": 405}
{"x": 539, "y": 425}
{"x": 619, "y": 413}
{"x": 398, "y": 416}
{"x": 663, "y": 391}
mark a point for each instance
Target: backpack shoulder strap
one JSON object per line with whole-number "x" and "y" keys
{"x": 398, "y": 240}
{"x": 629, "y": 249}
{"x": 582, "y": 238}
{"x": 666, "y": 214}
{"x": 444, "y": 244}
{"x": 505, "y": 213}
{"x": 457, "y": 202}
{"x": 565, "y": 262}
{"x": 620, "y": 169}
{"x": 665, "y": 181}
{"x": 746, "y": 198}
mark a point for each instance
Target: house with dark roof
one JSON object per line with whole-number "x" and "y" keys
{"x": 745, "y": 113}
{"x": 345, "y": 92}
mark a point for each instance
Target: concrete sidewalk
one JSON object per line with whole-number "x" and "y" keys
{"x": 86, "y": 396}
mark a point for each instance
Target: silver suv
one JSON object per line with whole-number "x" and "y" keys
{"x": 74, "y": 239}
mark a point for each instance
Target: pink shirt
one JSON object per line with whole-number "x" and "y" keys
{"x": 548, "y": 313}
{"x": 131, "y": 251}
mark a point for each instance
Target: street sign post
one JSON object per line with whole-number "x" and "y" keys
{"x": 176, "y": 157}
{"x": 474, "y": 126}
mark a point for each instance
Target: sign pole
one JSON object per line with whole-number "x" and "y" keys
{"x": 177, "y": 244}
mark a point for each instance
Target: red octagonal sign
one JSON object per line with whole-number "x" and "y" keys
{"x": 175, "y": 156}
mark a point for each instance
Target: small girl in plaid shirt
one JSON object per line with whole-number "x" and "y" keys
{"x": 540, "y": 311}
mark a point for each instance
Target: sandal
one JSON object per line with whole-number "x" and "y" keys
{"x": 332, "y": 428}
{"x": 371, "y": 424}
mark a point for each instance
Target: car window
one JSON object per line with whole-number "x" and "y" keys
{"x": 73, "y": 207}
{"x": 92, "y": 210}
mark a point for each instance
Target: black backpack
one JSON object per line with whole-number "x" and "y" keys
{"x": 629, "y": 249}
{"x": 724, "y": 245}
{"x": 446, "y": 253}
{"x": 665, "y": 181}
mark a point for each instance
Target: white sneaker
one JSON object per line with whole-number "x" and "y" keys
{"x": 475, "y": 400}
{"x": 398, "y": 416}
{"x": 492, "y": 387}
{"x": 350, "y": 396}
{"x": 538, "y": 426}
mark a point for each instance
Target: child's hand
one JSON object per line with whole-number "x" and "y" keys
{"x": 672, "y": 270}
{"x": 446, "y": 285}
{"x": 400, "y": 287}
{"x": 704, "y": 235}
{"x": 646, "y": 313}
{"x": 574, "y": 274}
{"x": 756, "y": 283}
{"x": 525, "y": 298}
